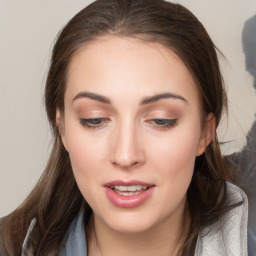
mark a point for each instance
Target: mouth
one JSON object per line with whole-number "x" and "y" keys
{"x": 128, "y": 194}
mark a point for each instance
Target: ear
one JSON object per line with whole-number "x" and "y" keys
{"x": 61, "y": 128}
{"x": 207, "y": 134}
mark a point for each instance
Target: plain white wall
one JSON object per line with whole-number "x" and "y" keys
{"x": 27, "y": 32}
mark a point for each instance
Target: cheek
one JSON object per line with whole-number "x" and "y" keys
{"x": 86, "y": 153}
{"x": 175, "y": 165}
{"x": 173, "y": 159}
{"x": 175, "y": 153}
{"x": 81, "y": 155}
{"x": 86, "y": 156}
{"x": 84, "y": 147}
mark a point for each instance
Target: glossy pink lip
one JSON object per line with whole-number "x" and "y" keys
{"x": 126, "y": 183}
{"x": 128, "y": 201}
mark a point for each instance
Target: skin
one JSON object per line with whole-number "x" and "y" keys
{"x": 130, "y": 145}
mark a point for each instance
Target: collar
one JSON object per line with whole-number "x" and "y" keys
{"x": 227, "y": 235}
{"x": 74, "y": 242}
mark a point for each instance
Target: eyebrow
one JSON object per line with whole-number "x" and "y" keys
{"x": 92, "y": 96}
{"x": 161, "y": 96}
{"x": 144, "y": 101}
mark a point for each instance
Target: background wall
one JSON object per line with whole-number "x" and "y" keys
{"x": 27, "y": 32}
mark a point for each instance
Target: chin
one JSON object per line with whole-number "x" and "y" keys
{"x": 130, "y": 223}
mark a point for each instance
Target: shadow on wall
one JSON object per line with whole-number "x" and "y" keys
{"x": 245, "y": 161}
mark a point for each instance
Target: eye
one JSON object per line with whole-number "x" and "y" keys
{"x": 94, "y": 123}
{"x": 161, "y": 123}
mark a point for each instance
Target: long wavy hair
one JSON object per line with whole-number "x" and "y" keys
{"x": 56, "y": 199}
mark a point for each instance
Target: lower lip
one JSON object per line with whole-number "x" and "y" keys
{"x": 129, "y": 201}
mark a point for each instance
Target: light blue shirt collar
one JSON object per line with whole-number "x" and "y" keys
{"x": 74, "y": 242}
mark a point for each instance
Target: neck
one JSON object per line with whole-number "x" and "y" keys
{"x": 164, "y": 239}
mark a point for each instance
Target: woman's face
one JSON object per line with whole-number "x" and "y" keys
{"x": 132, "y": 127}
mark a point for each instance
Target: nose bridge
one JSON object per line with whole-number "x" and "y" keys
{"x": 127, "y": 150}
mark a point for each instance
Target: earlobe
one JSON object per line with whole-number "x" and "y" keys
{"x": 60, "y": 125}
{"x": 207, "y": 134}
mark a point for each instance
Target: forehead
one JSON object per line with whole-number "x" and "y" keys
{"x": 116, "y": 66}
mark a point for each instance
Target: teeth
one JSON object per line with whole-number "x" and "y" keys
{"x": 132, "y": 188}
{"x": 123, "y": 193}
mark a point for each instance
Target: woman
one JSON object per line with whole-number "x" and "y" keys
{"x": 134, "y": 95}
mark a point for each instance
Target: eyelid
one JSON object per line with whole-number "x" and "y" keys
{"x": 88, "y": 122}
{"x": 101, "y": 122}
{"x": 168, "y": 125}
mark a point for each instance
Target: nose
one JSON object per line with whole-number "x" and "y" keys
{"x": 127, "y": 150}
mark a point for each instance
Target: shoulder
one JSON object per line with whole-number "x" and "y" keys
{"x": 6, "y": 247}
{"x": 227, "y": 235}
{"x": 10, "y": 241}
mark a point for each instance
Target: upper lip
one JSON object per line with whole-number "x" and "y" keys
{"x": 127, "y": 183}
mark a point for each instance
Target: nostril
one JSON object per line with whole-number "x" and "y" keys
{"x": 125, "y": 164}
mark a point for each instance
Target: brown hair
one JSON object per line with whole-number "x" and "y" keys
{"x": 56, "y": 199}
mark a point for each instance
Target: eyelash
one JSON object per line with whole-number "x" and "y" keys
{"x": 168, "y": 123}
{"x": 101, "y": 122}
{"x": 88, "y": 122}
